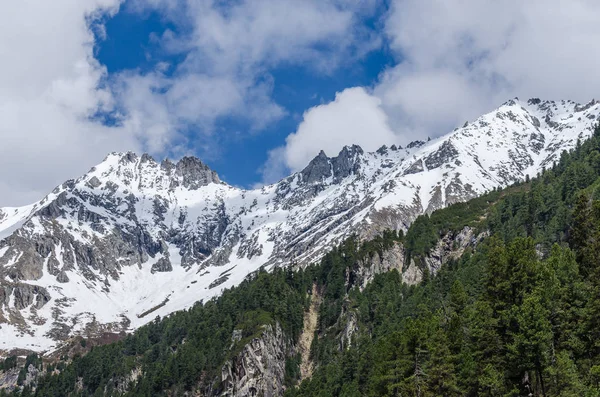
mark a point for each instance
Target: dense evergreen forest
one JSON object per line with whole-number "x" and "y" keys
{"x": 518, "y": 315}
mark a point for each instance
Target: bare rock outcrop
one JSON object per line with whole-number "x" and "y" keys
{"x": 259, "y": 368}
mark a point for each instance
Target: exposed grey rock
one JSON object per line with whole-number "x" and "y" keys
{"x": 162, "y": 265}
{"x": 437, "y": 200}
{"x": 445, "y": 154}
{"x": 194, "y": 173}
{"x": 415, "y": 144}
{"x": 23, "y": 296}
{"x": 94, "y": 182}
{"x": 346, "y": 164}
{"x": 318, "y": 169}
{"x": 62, "y": 277}
{"x": 391, "y": 259}
{"x": 8, "y": 379}
{"x": 451, "y": 246}
{"x": 583, "y": 108}
{"x": 339, "y": 167}
{"x": 259, "y": 369}
{"x": 415, "y": 168}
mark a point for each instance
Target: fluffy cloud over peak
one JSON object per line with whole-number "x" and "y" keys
{"x": 54, "y": 94}
{"x": 354, "y": 117}
{"x": 454, "y": 59}
{"x": 457, "y": 59}
{"x": 464, "y": 57}
{"x": 49, "y": 90}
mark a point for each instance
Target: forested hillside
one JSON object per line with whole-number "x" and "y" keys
{"x": 517, "y": 315}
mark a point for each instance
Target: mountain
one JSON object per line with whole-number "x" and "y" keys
{"x": 134, "y": 238}
{"x": 507, "y": 305}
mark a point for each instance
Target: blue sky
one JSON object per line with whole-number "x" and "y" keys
{"x": 130, "y": 43}
{"x": 256, "y": 88}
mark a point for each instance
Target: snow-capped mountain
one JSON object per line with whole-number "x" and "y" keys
{"x": 134, "y": 238}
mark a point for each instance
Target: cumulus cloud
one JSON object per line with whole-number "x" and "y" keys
{"x": 229, "y": 50}
{"x": 457, "y": 59}
{"x": 461, "y": 58}
{"x": 50, "y": 87}
{"x": 354, "y": 116}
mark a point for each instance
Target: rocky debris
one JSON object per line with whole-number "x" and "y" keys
{"x": 8, "y": 379}
{"x": 259, "y": 369}
{"x": 311, "y": 318}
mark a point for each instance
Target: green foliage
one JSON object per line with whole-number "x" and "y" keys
{"x": 8, "y": 363}
{"x": 292, "y": 370}
{"x": 519, "y": 316}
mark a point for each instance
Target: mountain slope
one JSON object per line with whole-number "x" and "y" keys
{"x": 134, "y": 238}
{"x": 509, "y": 308}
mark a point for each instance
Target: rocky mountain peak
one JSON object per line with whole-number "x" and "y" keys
{"x": 415, "y": 144}
{"x": 194, "y": 173}
{"x": 317, "y": 170}
{"x": 323, "y": 168}
{"x": 144, "y": 172}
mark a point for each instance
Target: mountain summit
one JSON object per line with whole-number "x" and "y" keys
{"x": 134, "y": 238}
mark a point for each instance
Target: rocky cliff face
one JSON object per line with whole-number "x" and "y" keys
{"x": 135, "y": 238}
{"x": 450, "y": 246}
{"x": 259, "y": 369}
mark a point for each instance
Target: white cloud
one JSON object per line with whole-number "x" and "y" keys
{"x": 51, "y": 84}
{"x": 465, "y": 57}
{"x": 354, "y": 117}
{"x": 229, "y": 51}
{"x": 49, "y": 87}
{"x": 458, "y": 59}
